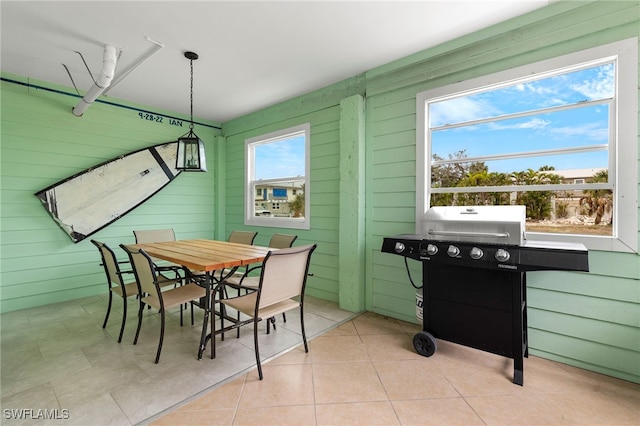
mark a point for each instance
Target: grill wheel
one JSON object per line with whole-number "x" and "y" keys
{"x": 425, "y": 344}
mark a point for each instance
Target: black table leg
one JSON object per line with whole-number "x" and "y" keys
{"x": 207, "y": 313}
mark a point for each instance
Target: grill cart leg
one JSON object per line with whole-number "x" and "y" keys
{"x": 519, "y": 320}
{"x": 424, "y": 344}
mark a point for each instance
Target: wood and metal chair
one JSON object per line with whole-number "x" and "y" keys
{"x": 149, "y": 286}
{"x": 281, "y": 286}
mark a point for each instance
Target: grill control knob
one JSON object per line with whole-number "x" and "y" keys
{"x": 476, "y": 253}
{"x": 432, "y": 249}
{"x": 502, "y": 255}
{"x": 453, "y": 251}
{"x": 399, "y": 247}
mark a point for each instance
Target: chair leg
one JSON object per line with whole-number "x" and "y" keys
{"x": 140, "y": 310}
{"x": 255, "y": 345}
{"x": 161, "y": 335}
{"x": 270, "y": 321}
{"x": 124, "y": 318}
{"x": 304, "y": 336}
{"x": 106, "y": 318}
{"x": 284, "y": 317}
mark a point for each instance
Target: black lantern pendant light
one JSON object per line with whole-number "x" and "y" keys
{"x": 190, "y": 148}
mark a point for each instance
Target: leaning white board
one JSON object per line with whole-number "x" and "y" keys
{"x": 92, "y": 199}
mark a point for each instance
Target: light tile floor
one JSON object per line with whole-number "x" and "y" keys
{"x": 359, "y": 371}
{"x": 58, "y": 358}
{"x": 365, "y": 372}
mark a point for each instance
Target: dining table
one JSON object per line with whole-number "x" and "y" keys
{"x": 208, "y": 263}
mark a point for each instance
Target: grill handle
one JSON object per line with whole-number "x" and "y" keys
{"x": 468, "y": 234}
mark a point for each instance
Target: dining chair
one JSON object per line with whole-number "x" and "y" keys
{"x": 158, "y": 236}
{"x": 154, "y": 235}
{"x": 116, "y": 282}
{"x": 278, "y": 241}
{"x": 281, "y": 286}
{"x": 242, "y": 237}
{"x": 149, "y": 287}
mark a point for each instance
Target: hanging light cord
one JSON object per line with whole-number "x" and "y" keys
{"x": 191, "y": 96}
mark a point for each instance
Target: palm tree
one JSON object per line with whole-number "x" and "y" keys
{"x": 598, "y": 201}
{"x": 538, "y": 203}
{"x": 297, "y": 205}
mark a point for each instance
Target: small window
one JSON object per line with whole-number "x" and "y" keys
{"x": 277, "y": 170}
{"x": 559, "y": 137}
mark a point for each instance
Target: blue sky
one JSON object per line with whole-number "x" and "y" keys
{"x": 585, "y": 126}
{"x": 284, "y": 158}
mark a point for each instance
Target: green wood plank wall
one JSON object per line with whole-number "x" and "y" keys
{"x": 42, "y": 143}
{"x": 322, "y": 110}
{"x": 587, "y": 320}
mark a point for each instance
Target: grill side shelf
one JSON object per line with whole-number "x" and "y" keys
{"x": 550, "y": 259}
{"x": 406, "y": 245}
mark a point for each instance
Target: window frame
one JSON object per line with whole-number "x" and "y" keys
{"x": 250, "y": 181}
{"x": 623, "y": 147}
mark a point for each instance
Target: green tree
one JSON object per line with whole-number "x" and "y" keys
{"x": 480, "y": 176}
{"x": 598, "y": 201}
{"x": 538, "y": 203}
{"x": 297, "y": 205}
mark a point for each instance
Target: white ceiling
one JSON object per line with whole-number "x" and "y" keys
{"x": 252, "y": 54}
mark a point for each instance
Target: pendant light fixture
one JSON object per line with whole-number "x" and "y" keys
{"x": 190, "y": 156}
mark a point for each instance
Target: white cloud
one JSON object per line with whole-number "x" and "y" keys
{"x": 533, "y": 124}
{"x": 600, "y": 87}
{"x": 591, "y": 131}
{"x": 459, "y": 110}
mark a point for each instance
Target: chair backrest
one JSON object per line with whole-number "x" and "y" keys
{"x": 110, "y": 263}
{"x": 154, "y": 235}
{"x": 282, "y": 240}
{"x": 242, "y": 237}
{"x": 284, "y": 274}
{"x": 143, "y": 270}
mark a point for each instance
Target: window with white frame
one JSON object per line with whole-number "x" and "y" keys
{"x": 558, "y": 136}
{"x": 277, "y": 178}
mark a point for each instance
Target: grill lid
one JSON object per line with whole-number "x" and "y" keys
{"x": 476, "y": 224}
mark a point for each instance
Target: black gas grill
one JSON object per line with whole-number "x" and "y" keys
{"x": 474, "y": 264}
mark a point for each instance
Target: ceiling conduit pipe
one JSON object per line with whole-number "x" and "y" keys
{"x": 109, "y": 59}
{"x": 123, "y": 74}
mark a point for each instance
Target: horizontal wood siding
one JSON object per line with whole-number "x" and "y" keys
{"x": 43, "y": 143}
{"x": 588, "y": 320}
{"x": 585, "y": 319}
{"x": 322, "y": 110}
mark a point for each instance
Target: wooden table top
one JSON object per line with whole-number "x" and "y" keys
{"x": 205, "y": 255}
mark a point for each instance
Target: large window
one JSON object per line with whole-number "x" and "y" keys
{"x": 277, "y": 170}
{"x": 559, "y": 137}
